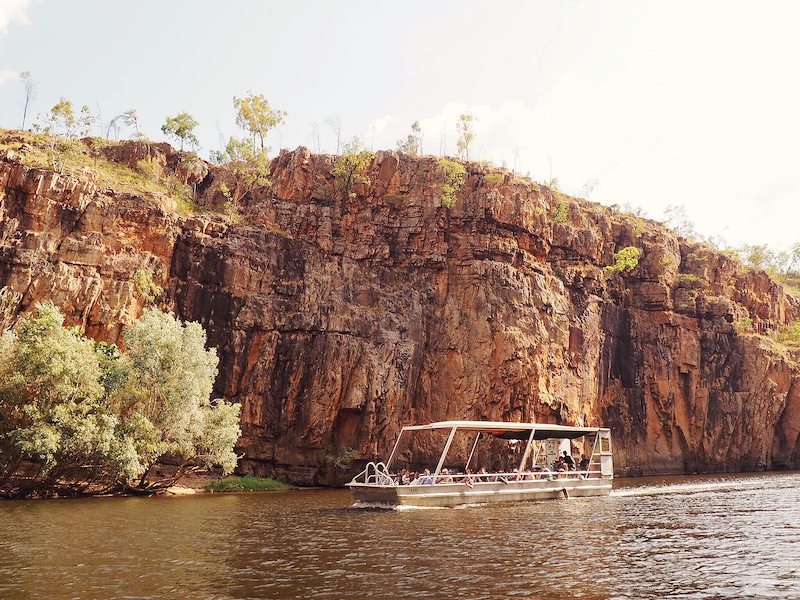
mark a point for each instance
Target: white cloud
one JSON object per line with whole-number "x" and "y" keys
{"x": 12, "y": 11}
{"x": 376, "y": 128}
{"x": 729, "y": 158}
{"x": 5, "y": 75}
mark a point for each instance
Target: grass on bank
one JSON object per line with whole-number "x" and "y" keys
{"x": 247, "y": 483}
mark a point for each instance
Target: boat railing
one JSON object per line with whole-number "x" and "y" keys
{"x": 375, "y": 474}
{"x": 504, "y": 477}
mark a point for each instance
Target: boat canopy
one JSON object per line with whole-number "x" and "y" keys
{"x": 511, "y": 431}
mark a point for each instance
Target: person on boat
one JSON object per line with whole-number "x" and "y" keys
{"x": 584, "y": 464}
{"x": 405, "y": 477}
{"x": 426, "y": 478}
{"x": 483, "y": 475}
{"x": 569, "y": 462}
{"x": 469, "y": 477}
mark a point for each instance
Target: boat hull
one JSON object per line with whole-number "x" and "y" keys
{"x": 480, "y": 492}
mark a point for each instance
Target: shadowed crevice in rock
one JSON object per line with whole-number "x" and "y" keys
{"x": 334, "y": 330}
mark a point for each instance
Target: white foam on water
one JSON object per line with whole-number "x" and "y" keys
{"x": 689, "y": 488}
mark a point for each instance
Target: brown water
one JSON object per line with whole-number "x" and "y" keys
{"x": 688, "y": 537}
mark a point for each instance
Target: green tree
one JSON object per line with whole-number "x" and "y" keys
{"x": 413, "y": 144}
{"x": 172, "y": 377}
{"x": 30, "y": 85}
{"x": 250, "y": 168}
{"x": 75, "y": 413}
{"x": 256, "y": 116}
{"x": 350, "y": 168}
{"x": 466, "y": 134}
{"x": 758, "y": 256}
{"x": 63, "y": 125}
{"x": 181, "y": 127}
{"x": 453, "y": 176}
{"x": 250, "y": 163}
{"x": 52, "y": 419}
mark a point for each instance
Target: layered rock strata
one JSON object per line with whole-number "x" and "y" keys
{"x": 337, "y": 320}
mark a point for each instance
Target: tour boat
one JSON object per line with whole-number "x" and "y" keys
{"x": 535, "y": 478}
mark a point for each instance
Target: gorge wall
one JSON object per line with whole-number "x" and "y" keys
{"x": 337, "y": 322}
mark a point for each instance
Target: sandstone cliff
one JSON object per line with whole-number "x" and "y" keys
{"x": 339, "y": 321}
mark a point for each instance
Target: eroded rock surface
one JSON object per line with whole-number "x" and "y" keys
{"x": 338, "y": 322}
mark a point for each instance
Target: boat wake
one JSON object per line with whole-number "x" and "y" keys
{"x": 689, "y": 488}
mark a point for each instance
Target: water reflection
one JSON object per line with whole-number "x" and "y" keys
{"x": 700, "y": 537}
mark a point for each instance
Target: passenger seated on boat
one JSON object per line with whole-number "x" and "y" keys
{"x": 584, "y": 464}
{"x": 405, "y": 477}
{"x": 426, "y": 478}
{"x": 469, "y": 476}
{"x": 483, "y": 474}
{"x": 569, "y": 462}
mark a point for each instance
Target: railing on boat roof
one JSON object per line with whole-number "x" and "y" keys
{"x": 499, "y": 428}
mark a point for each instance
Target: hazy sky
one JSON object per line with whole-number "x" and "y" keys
{"x": 663, "y": 103}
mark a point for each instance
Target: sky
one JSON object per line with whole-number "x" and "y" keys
{"x": 657, "y": 103}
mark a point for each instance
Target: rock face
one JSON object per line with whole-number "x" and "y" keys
{"x": 337, "y": 322}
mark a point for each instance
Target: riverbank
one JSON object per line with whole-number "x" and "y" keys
{"x": 211, "y": 482}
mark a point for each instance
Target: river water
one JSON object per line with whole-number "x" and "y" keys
{"x": 678, "y": 537}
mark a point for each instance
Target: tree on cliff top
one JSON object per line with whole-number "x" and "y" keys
{"x": 453, "y": 175}
{"x": 62, "y": 126}
{"x": 250, "y": 168}
{"x": 250, "y": 163}
{"x": 76, "y": 414}
{"x": 413, "y": 144}
{"x": 29, "y": 84}
{"x": 350, "y": 168}
{"x": 255, "y": 115}
{"x": 466, "y": 134}
{"x": 181, "y": 127}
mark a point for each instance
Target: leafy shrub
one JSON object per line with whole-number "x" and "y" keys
{"x": 454, "y": 175}
{"x": 744, "y": 325}
{"x": 493, "y": 179}
{"x": 147, "y": 288}
{"x": 625, "y": 261}
{"x": 349, "y": 169}
{"x": 789, "y": 334}
{"x": 560, "y": 213}
{"x": 690, "y": 281}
